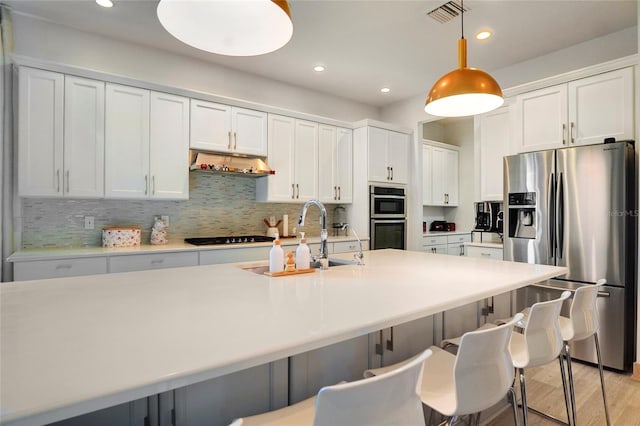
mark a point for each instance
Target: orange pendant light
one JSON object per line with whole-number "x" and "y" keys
{"x": 228, "y": 27}
{"x": 464, "y": 91}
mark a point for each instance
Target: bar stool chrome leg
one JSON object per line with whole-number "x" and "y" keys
{"x": 567, "y": 353}
{"x": 523, "y": 394}
{"x": 604, "y": 396}
{"x": 514, "y": 405}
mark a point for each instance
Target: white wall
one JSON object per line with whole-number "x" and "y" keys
{"x": 46, "y": 41}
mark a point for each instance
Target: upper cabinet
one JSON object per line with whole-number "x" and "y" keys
{"x": 493, "y": 141}
{"x": 581, "y": 112}
{"x": 60, "y": 135}
{"x": 335, "y": 164}
{"x": 147, "y": 144}
{"x": 388, "y": 156}
{"x": 227, "y": 129}
{"x": 440, "y": 175}
{"x": 293, "y": 154}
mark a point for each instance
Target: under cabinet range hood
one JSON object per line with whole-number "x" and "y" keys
{"x": 216, "y": 163}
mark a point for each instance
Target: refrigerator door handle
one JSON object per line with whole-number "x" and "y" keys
{"x": 552, "y": 215}
{"x": 560, "y": 217}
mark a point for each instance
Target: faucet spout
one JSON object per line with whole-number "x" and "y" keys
{"x": 323, "y": 225}
{"x": 360, "y": 255}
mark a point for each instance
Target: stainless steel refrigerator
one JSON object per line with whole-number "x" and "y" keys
{"x": 576, "y": 207}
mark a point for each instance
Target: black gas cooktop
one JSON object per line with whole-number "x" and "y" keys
{"x": 207, "y": 241}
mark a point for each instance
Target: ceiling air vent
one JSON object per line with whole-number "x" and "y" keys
{"x": 447, "y": 11}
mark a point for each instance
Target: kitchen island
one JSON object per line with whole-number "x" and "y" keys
{"x": 75, "y": 345}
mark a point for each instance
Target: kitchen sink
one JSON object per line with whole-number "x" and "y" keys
{"x": 261, "y": 269}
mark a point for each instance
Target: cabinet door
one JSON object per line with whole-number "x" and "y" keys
{"x": 541, "y": 121}
{"x": 249, "y": 131}
{"x": 438, "y": 188}
{"x": 378, "y": 164}
{"x": 244, "y": 393}
{"x": 306, "y": 160}
{"x": 427, "y": 184}
{"x": 492, "y": 144}
{"x": 327, "y": 164}
{"x": 233, "y": 255}
{"x": 40, "y": 132}
{"x": 600, "y": 107}
{"x": 128, "y": 414}
{"x": 455, "y": 249}
{"x": 83, "y": 138}
{"x": 405, "y": 340}
{"x": 344, "y": 165}
{"x": 450, "y": 178}
{"x": 127, "y": 142}
{"x": 210, "y": 126}
{"x": 169, "y": 147}
{"x": 280, "y": 186}
{"x": 310, "y": 371}
{"x": 398, "y": 156}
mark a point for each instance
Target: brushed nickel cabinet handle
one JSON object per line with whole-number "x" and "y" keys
{"x": 293, "y": 191}
{"x": 339, "y": 193}
{"x": 564, "y": 130}
{"x": 58, "y": 180}
{"x": 390, "y": 341}
{"x": 229, "y": 146}
{"x": 335, "y": 192}
{"x": 146, "y": 184}
{"x": 67, "y": 181}
{"x": 573, "y": 140}
{"x": 235, "y": 140}
{"x": 391, "y": 173}
{"x": 153, "y": 184}
{"x": 297, "y": 191}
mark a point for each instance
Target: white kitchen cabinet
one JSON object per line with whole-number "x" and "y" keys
{"x": 455, "y": 244}
{"x": 227, "y": 129}
{"x": 493, "y": 141}
{"x": 581, "y": 112}
{"x": 445, "y": 244}
{"x": 73, "y": 267}
{"x": 147, "y": 261}
{"x": 293, "y": 154}
{"x": 388, "y": 153}
{"x": 131, "y": 413}
{"x": 60, "y": 135}
{"x": 127, "y": 142}
{"x": 400, "y": 342}
{"x": 40, "y": 132}
{"x": 499, "y": 306}
{"x": 440, "y": 174}
{"x": 146, "y": 149}
{"x": 483, "y": 252}
{"x": 169, "y": 147}
{"x": 335, "y": 164}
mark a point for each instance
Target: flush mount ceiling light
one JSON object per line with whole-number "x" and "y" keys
{"x": 483, "y": 35}
{"x": 228, "y": 27}
{"x": 319, "y": 68}
{"x": 465, "y": 91}
{"x": 105, "y": 3}
{"x": 385, "y": 90}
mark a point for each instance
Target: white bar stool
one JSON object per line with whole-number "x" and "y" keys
{"x": 475, "y": 379}
{"x": 583, "y": 323}
{"x": 388, "y": 399}
{"x": 540, "y": 343}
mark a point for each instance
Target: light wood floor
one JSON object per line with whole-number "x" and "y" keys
{"x": 544, "y": 392}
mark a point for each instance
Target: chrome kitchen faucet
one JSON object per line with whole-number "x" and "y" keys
{"x": 322, "y": 258}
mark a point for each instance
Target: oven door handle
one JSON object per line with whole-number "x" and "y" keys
{"x": 388, "y": 220}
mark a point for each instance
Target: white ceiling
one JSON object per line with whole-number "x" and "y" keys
{"x": 366, "y": 44}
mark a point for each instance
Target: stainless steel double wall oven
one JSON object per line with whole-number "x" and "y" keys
{"x": 388, "y": 217}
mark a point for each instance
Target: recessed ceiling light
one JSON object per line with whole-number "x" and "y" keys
{"x": 385, "y": 90}
{"x": 483, "y": 35}
{"x": 319, "y": 68}
{"x": 105, "y": 3}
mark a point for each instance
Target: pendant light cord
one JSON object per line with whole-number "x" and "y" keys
{"x": 462, "y": 16}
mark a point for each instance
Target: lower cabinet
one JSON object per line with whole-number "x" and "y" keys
{"x": 397, "y": 343}
{"x": 244, "y": 393}
{"x": 41, "y": 269}
{"x": 310, "y": 371}
{"x": 133, "y": 413}
{"x": 445, "y": 244}
{"x": 212, "y": 257}
{"x": 144, "y": 262}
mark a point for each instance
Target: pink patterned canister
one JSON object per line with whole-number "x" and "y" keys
{"x": 120, "y": 236}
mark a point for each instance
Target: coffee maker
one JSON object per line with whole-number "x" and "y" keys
{"x": 489, "y": 216}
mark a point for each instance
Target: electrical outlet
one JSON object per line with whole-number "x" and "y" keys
{"x": 165, "y": 219}
{"x": 89, "y": 222}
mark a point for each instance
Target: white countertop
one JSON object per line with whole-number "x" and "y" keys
{"x": 433, "y": 233}
{"x": 75, "y": 345}
{"x": 76, "y": 252}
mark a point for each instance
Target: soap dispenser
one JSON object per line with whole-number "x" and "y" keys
{"x": 276, "y": 258}
{"x": 303, "y": 254}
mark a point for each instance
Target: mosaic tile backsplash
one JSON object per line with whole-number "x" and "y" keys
{"x": 218, "y": 205}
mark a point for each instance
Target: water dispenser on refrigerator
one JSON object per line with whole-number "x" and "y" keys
{"x": 522, "y": 215}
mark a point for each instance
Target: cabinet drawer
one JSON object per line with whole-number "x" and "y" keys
{"x": 459, "y": 238}
{"x": 212, "y": 257}
{"x": 484, "y": 252}
{"x": 143, "y": 262}
{"x": 437, "y": 249}
{"x": 42, "y": 269}
{"x": 455, "y": 249}
{"x": 349, "y": 246}
{"x": 432, "y": 240}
